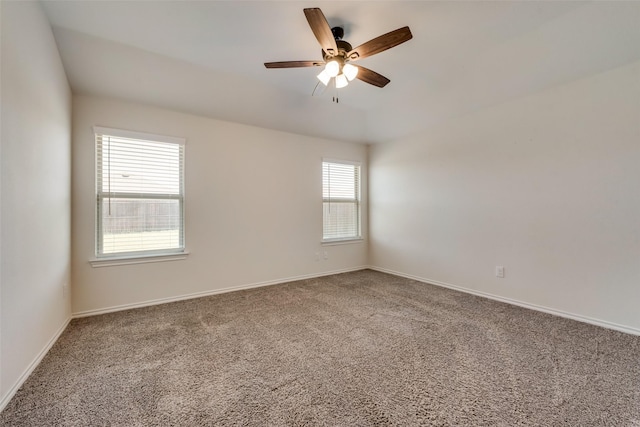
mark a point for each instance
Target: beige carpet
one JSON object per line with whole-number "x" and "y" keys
{"x": 356, "y": 349}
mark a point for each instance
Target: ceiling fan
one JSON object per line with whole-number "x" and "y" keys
{"x": 337, "y": 54}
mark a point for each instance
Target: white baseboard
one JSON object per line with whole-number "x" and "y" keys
{"x": 560, "y": 313}
{"x": 122, "y": 307}
{"x": 36, "y": 361}
{"x": 33, "y": 365}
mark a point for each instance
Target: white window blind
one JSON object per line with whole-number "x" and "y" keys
{"x": 140, "y": 193}
{"x": 341, "y": 200}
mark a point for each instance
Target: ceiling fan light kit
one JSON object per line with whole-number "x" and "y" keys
{"x": 337, "y": 53}
{"x": 341, "y": 70}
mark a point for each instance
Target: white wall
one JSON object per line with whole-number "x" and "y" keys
{"x": 35, "y": 197}
{"x": 253, "y": 208}
{"x": 547, "y": 186}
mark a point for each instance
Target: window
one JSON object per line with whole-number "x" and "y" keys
{"x": 341, "y": 200}
{"x": 140, "y": 194}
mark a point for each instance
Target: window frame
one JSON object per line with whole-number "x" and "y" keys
{"x": 357, "y": 200}
{"x": 135, "y": 257}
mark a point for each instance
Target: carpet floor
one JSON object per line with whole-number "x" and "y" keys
{"x": 354, "y": 349}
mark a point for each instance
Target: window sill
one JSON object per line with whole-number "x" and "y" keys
{"x": 341, "y": 241}
{"x": 141, "y": 259}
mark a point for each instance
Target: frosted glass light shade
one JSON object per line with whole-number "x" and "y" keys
{"x": 341, "y": 81}
{"x": 324, "y": 77}
{"x": 332, "y": 68}
{"x": 350, "y": 71}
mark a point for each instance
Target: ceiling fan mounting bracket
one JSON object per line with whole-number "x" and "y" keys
{"x": 338, "y": 33}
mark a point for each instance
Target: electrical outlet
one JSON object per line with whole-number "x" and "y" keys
{"x": 65, "y": 290}
{"x": 499, "y": 271}
{"x": 326, "y": 255}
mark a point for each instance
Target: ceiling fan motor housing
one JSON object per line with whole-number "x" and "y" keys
{"x": 343, "y": 48}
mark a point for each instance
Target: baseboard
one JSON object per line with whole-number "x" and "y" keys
{"x": 158, "y": 301}
{"x": 36, "y": 361}
{"x": 560, "y": 313}
{"x": 33, "y": 365}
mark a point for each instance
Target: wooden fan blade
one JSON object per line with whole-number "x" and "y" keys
{"x": 371, "y": 77}
{"x": 380, "y": 44}
{"x": 293, "y": 64}
{"x": 321, "y": 30}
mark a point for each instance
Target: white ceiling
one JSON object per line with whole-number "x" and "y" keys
{"x": 207, "y": 57}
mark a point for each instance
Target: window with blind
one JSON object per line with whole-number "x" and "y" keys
{"x": 340, "y": 200}
{"x": 140, "y": 194}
